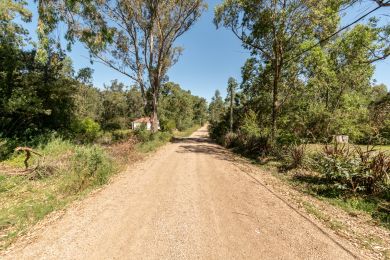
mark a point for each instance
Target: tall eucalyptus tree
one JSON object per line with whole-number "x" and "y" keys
{"x": 134, "y": 37}
{"x": 274, "y": 30}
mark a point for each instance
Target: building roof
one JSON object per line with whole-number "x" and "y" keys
{"x": 142, "y": 120}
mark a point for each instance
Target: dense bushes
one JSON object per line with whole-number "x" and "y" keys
{"x": 89, "y": 166}
{"x": 149, "y": 141}
{"x": 248, "y": 139}
{"x": 355, "y": 169}
{"x": 86, "y": 130}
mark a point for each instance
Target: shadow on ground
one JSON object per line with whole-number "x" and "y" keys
{"x": 202, "y": 145}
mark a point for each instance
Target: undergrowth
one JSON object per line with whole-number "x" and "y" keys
{"x": 63, "y": 173}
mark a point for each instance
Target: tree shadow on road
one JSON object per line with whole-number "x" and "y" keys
{"x": 203, "y": 146}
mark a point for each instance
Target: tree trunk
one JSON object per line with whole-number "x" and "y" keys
{"x": 154, "y": 116}
{"x": 275, "y": 101}
{"x": 231, "y": 111}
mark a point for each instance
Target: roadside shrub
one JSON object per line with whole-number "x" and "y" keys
{"x": 217, "y": 131}
{"x": 87, "y": 130}
{"x": 296, "y": 156}
{"x": 90, "y": 166}
{"x": 252, "y": 140}
{"x": 161, "y": 136}
{"x": 142, "y": 134}
{"x": 168, "y": 126}
{"x": 230, "y": 140}
{"x": 379, "y": 178}
{"x": 355, "y": 169}
{"x": 105, "y": 138}
{"x": 287, "y": 139}
{"x": 154, "y": 141}
{"x": 250, "y": 125}
{"x": 123, "y": 134}
{"x": 252, "y": 145}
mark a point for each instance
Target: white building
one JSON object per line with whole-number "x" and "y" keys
{"x": 143, "y": 121}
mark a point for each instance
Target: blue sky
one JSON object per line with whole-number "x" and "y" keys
{"x": 210, "y": 56}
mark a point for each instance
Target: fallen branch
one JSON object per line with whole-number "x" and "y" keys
{"x": 28, "y": 152}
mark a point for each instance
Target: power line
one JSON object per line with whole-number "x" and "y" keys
{"x": 338, "y": 31}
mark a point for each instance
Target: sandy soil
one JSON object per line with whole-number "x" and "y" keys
{"x": 189, "y": 200}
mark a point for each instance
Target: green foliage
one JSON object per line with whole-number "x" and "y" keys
{"x": 249, "y": 138}
{"x": 355, "y": 169}
{"x": 34, "y": 97}
{"x": 230, "y": 140}
{"x": 250, "y": 126}
{"x": 115, "y": 107}
{"x": 142, "y": 134}
{"x": 120, "y": 135}
{"x": 86, "y": 130}
{"x": 287, "y": 138}
{"x": 168, "y": 126}
{"x": 152, "y": 141}
{"x": 216, "y": 108}
{"x": 88, "y": 102}
{"x": 64, "y": 173}
{"x": 90, "y": 167}
{"x": 7, "y": 146}
{"x": 180, "y": 109}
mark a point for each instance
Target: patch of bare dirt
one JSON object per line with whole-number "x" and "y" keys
{"x": 359, "y": 229}
{"x": 191, "y": 199}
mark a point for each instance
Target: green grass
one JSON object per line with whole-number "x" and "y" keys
{"x": 155, "y": 141}
{"x": 186, "y": 132}
{"x": 66, "y": 172}
{"x": 311, "y": 209}
{"x": 353, "y": 204}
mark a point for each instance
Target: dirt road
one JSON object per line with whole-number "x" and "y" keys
{"x": 187, "y": 201}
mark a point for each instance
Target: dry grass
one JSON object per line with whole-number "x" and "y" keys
{"x": 65, "y": 173}
{"x": 320, "y": 147}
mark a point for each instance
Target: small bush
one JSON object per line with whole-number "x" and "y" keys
{"x": 161, "y": 136}
{"x": 105, "y": 138}
{"x": 123, "y": 134}
{"x": 87, "y": 130}
{"x": 168, "y": 126}
{"x": 251, "y": 139}
{"x": 354, "y": 169}
{"x": 154, "y": 141}
{"x": 91, "y": 166}
{"x": 230, "y": 140}
{"x": 142, "y": 134}
{"x": 287, "y": 139}
{"x": 296, "y": 156}
{"x": 379, "y": 177}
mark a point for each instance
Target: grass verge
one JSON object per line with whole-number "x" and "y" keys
{"x": 186, "y": 132}
{"x": 353, "y": 204}
{"x": 64, "y": 173}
